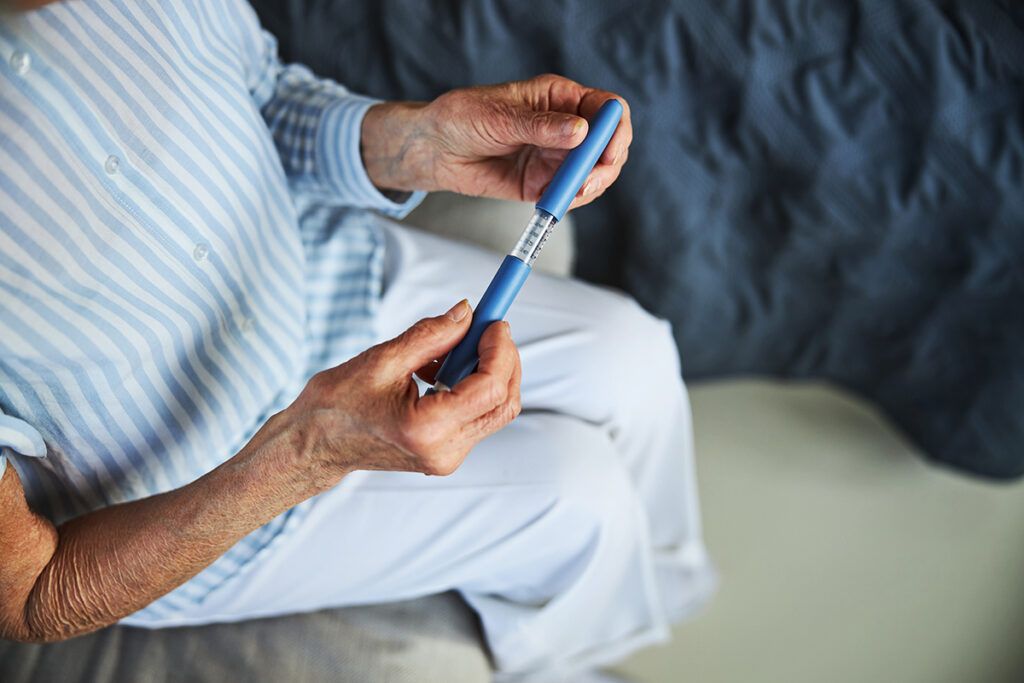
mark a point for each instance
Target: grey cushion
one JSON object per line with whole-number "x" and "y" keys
{"x": 431, "y": 639}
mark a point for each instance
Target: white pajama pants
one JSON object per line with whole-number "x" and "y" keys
{"x": 574, "y": 532}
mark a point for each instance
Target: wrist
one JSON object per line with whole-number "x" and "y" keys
{"x": 285, "y": 453}
{"x": 396, "y": 144}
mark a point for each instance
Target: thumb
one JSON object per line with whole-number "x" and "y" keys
{"x": 428, "y": 339}
{"x": 551, "y": 129}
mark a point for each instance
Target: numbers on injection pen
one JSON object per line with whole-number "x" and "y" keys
{"x": 533, "y": 239}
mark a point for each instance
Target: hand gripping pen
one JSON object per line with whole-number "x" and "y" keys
{"x": 516, "y": 267}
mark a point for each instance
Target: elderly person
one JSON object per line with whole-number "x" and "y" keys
{"x": 208, "y": 340}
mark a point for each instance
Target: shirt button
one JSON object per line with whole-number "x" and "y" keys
{"x": 248, "y": 325}
{"x": 111, "y": 165}
{"x": 200, "y": 252}
{"x": 21, "y": 62}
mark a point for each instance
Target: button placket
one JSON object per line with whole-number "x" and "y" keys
{"x": 21, "y": 62}
{"x": 200, "y": 252}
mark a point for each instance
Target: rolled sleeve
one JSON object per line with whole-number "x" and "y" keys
{"x": 18, "y": 436}
{"x": 317, "y": 124}
{"x": 340, "y": 161}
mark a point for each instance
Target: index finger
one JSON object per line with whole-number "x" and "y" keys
{"x": 482, "y": 391}
{"x": 623, "y": 136}
{"x": 575, "y": 98}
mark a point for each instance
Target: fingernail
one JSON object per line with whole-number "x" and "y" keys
{"x": 615, "y": 156}
{"x": 591, "y": 187}
{"x": 508, "y": 328}
{"x": 572, "y": 126}
{"x": 458, "y": 311}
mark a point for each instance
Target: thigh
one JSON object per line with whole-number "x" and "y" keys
{"x": 576, "y": 340}
{"x": 517, "y": 519}
{"x": 588, "y": 352}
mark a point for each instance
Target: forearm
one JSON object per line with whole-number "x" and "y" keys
{"x": 112, "y": 562}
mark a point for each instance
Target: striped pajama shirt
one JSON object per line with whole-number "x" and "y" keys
{"x": 180, "y": 248}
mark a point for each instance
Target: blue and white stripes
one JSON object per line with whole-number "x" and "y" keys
{"x": 18, "y": 437}
{"x": 159, "y": 295}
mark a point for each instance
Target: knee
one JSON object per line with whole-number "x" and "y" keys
{"x": 577, "y": 464}
{"x": 633, "y": 355}
{"x": 639, "y": 341}
{"x": 588, "y": 479}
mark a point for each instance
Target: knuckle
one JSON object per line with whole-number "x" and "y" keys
{"x": 498, "y": 420}
{"x": 430, "y": 466}
{"x": 506, "y": 122}
{"x": 320, "y": 384}
{"x": 537, "y": 126}
{"x": 515, "y": 407}
{"x": 420, "y": 329}
{"x": 416, "y": 335}
{"x": 440, "y": 465}
{"x": 377, "y": 360}
{"x": 317, "y": 381}
{"x": 447, "y": 467}
{"x": 451, "y": 101}
{"x": 498, "y": 392}
{"x": 420, "y": 437}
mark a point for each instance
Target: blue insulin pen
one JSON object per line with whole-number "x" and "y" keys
{"x": 516, "y": 267}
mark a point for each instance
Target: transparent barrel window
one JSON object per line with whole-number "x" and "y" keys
{"x": 534, "y": 237}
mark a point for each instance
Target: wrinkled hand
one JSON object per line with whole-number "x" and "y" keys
{"x": 367, "y": 414}
{"x": 503, "y": 141}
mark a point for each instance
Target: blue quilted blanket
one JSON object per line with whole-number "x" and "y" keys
{"x": 817, "y": 189}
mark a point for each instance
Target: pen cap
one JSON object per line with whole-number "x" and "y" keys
{"x": 581, "y": 160}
